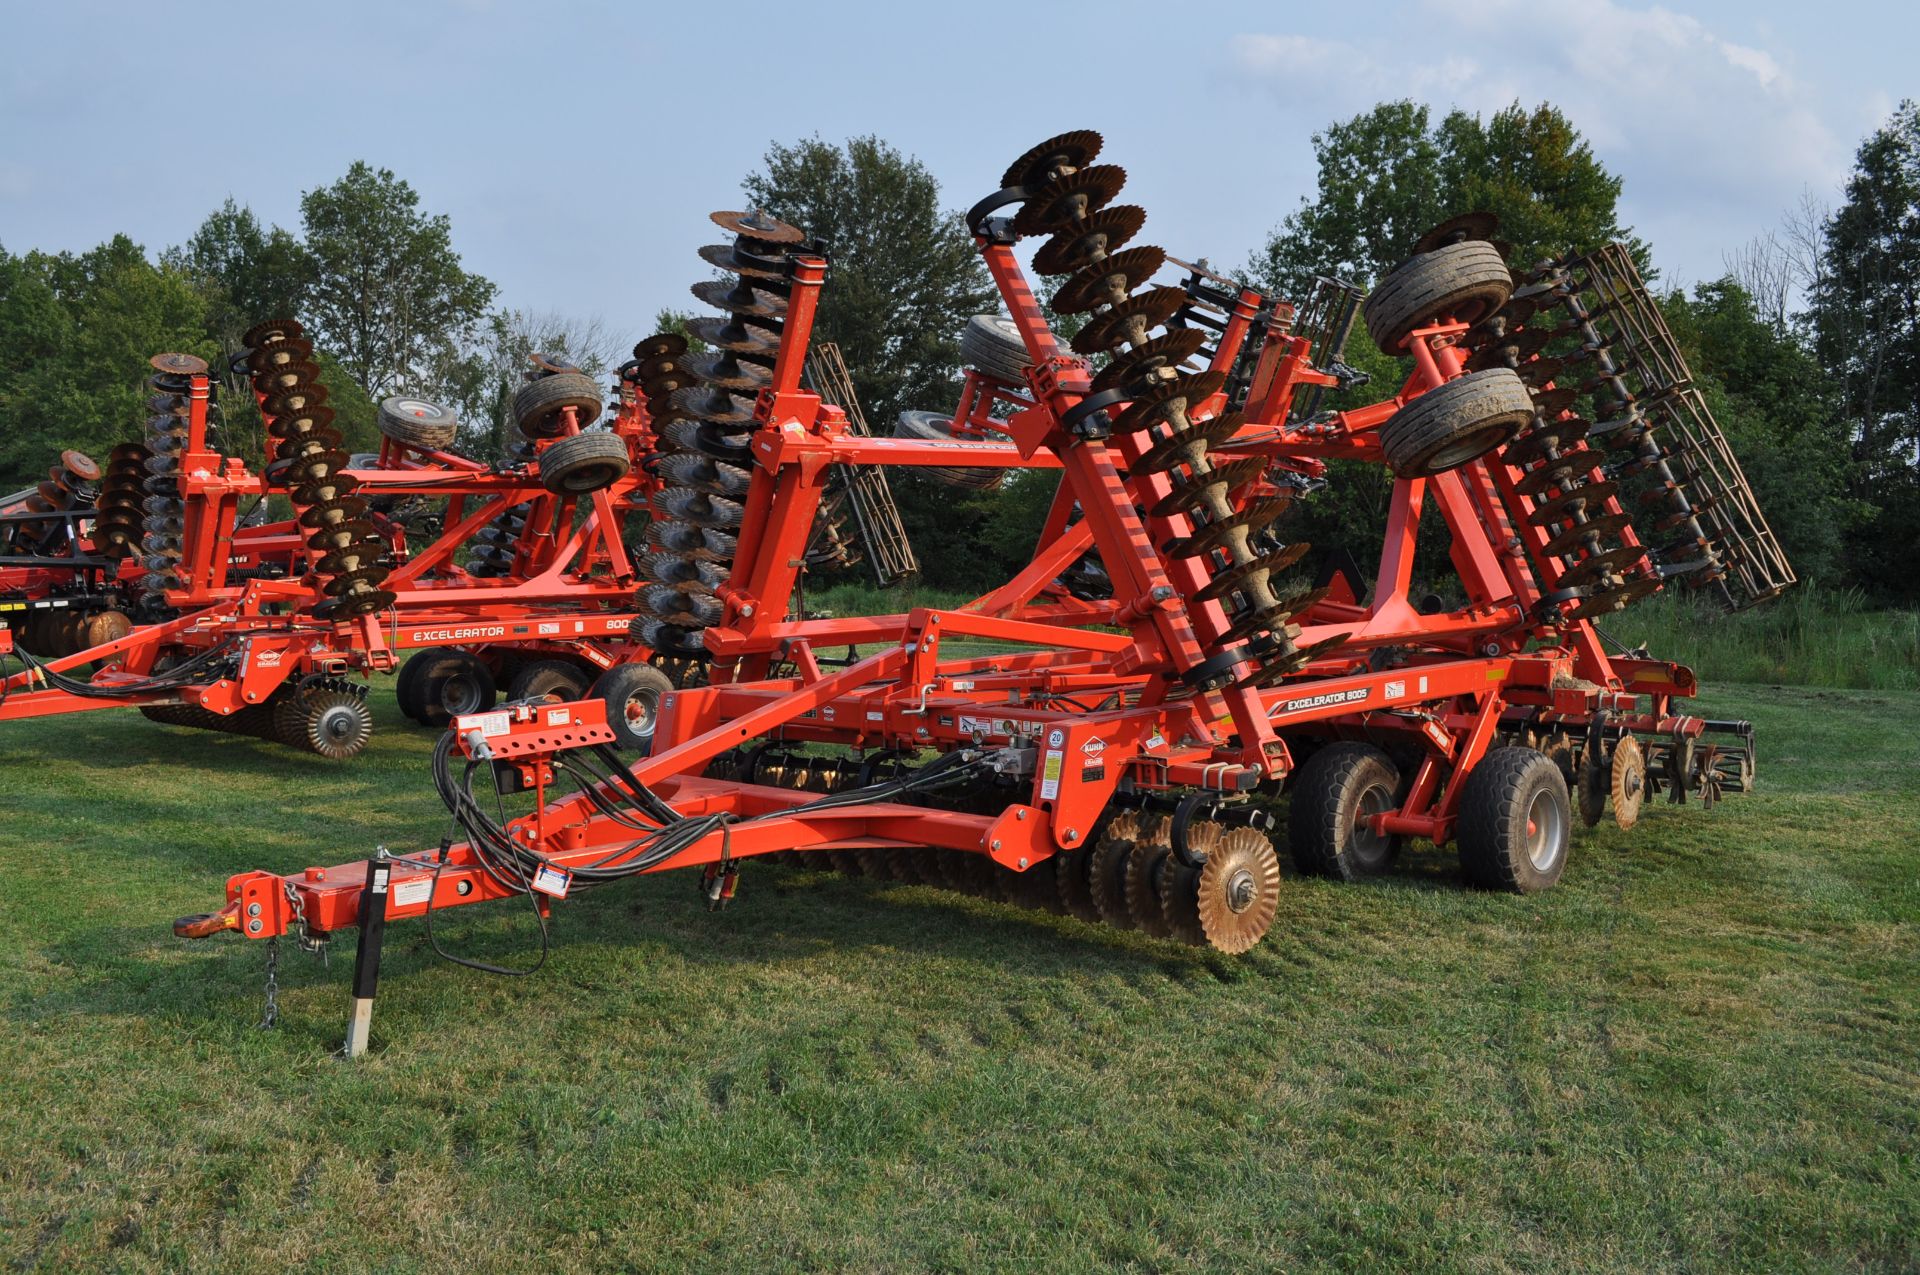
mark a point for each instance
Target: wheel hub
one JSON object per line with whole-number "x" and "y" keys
{"x": 1242, "y": 890}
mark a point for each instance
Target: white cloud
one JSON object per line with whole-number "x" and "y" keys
{"x": 1713, "y": 138}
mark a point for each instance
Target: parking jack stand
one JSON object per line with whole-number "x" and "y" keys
{"x": 366, "y": 958}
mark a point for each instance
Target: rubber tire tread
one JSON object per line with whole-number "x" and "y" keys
{"x": 1492, "y": 848}
{"x": 548, "y": 677}
{"x": 1468, "y": 281}
{"x": 435, "y": 433}
{"x": 537, "y": 403}
{"x": 583, "y": 451}
{"x": 620, "y": 684}
{"x": 1325, "y": 795}
{"x": 934, "y": 427}
{"x": 1454, "y": 411}
{"x": 991, "y": 343}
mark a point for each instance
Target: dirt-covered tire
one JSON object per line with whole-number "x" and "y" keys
{"x": 406, "y": 686}
{"x": 991, "y": 343}
{"x": 1516, "y": 822}
{"x": 548, "y": 677}
{"x": 537, "y": 405}
{"x": 935, "y": 428}
{"x": 1455, "y": 423}
{"x": 418, "y": 423}
{"x": 1339, "y": 786}
{"x": 632, "y": 693}
{"x": 584, "y": 463}
{"x": 451, "y": 685}
{"x": 1464, "y": 281}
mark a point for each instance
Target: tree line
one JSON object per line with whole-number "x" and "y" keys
{"x": 1807, "y": 348}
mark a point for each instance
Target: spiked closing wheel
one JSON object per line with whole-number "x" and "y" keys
{"x": 1628, "y": 781}
{"x": 1238, "y": 890}
{"x": 334, "y": 724}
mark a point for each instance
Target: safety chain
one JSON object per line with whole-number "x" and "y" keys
{"x": 270, "y": 1017}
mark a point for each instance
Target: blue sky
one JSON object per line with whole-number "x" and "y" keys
{"x": 578, "y": 146}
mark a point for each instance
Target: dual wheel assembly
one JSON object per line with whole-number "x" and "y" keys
{"x": 436, "y": 686}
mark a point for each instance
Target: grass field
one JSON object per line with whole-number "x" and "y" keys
{"x": 1699, "y": 1052}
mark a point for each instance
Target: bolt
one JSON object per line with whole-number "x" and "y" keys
{"x": 746, "y": 612}
{"x": 996, "y": 844}
{"x": 253, "y": 927}
{"x": 1020, "y": 814}
{"x": 1073, "y": 835}
{"x": 253, "y": 909}
{"x": 1023, "y": 863}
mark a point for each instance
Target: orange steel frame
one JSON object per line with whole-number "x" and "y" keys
{"x": 1091, "y": 691}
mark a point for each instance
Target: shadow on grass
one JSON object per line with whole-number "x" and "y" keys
{"x": 785, "y": 917}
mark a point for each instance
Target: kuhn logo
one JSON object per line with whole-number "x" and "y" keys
{"x": 267, "y": 659}
{"x": 1093, "y": 748}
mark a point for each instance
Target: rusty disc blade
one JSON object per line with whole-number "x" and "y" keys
{"x": 298, "y": 398}
{"x": 340, "y": 535}
{"x": 1068, "y": 199}
{"x": 1190, "y": 492}
{"x": 732, "y": 334}
{"x": 1534, "y": 444}
{"x": 1167, "y": 452}
{"x": 1169, "y": 349}
{"x": 334, "y": 512}
{"x": 733, "y": 257}
{"x": 178, "y": 364}
{"x": 1471, "y": 225}
{"x": 1076, "y": 149}
{"x": 1554, "y": 473}
{"x": 1166, "y": 399}
{"x": 1129, "y": 320}
{"x": 273, "y": 330}
{"x": 1588, "y": 495}
{"x": 268, "y": 357}
{"x": 1508, "y": 351}
{"x": 1594, "y": 566}
{"x": 740, "y": 298}
{"x": 286, "y": 376}
{"x": 352, "y": 557}
{"x": 1580, "y": 532}
{"x": 1276, "y": 619}
{"x": 357, "y": 580}
{"x": 1234, "y": 578}
{"x": 669, "y": 345}
{"x": 1093, "y": 285}
{"x": 1535, "y": 373}
{"x": 1218, "y": 534}
{"x": 707, "y": 404}
{"x": 759, "y": 224}
{"x": 1080, "y": 244}
{"x": 724, "y": 369}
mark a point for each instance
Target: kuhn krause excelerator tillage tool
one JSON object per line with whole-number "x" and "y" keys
{"x": 1108, "y": 745}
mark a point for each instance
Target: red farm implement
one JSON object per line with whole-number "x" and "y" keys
{"x": 1108, "y": 732}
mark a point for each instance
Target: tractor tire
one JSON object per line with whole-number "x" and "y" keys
{"x": 932, "y": 427}
{"x": 417, "y": 423}
{"x": 548, "y": 677}
{"x": 632, "y": 693}
{"x": 1516, "y": 822}
{"x": 537, "y": 405}
{"x": 406, "y": 687}
{"x": 452, "y": 685}
{"x": 1336, "y": 788}
{"x": 1464, "y": 281}
{"x": 991, "y": 343}
{"x": 583, "y": 463}
{"x": 1456, "y": 423}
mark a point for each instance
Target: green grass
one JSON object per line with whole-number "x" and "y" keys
{"x": 1699, "y": 1052}
{"x": 1811, "y": 636}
